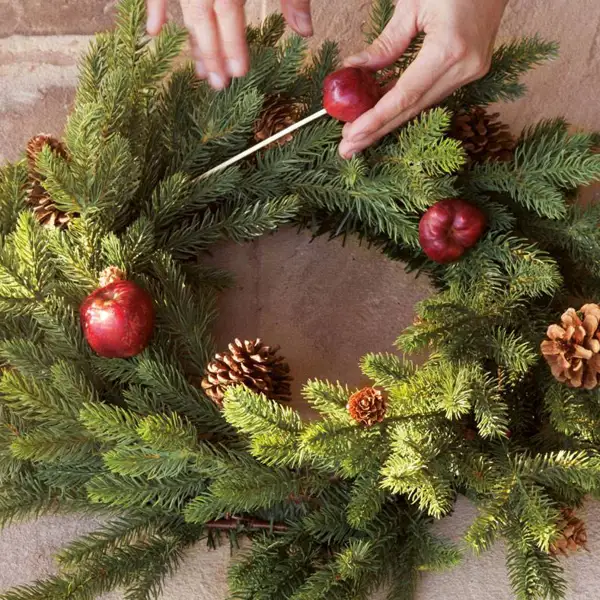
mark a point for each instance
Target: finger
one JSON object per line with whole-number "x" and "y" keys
{"x": 390, "y": 45}
{"x": 349, "y": 148}
{"x": 433, "y": 62}
{"x": 232, "y": 31}
{"x": 157, "y": 15}
{"x": 446, "y": 86}
{"x": 201, "y": 21}
{"x": 201, "y": 71}
{"x": 297, "y": 14}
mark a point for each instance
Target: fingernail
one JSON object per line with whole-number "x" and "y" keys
{"x": 303, "y": 23}
{"x": 200, "y": 70}
{"x": 357, "y": 59}
{"x": 216, "y": 81}
{"x": 346, "y": 151}
{"x": 235, "y": 68}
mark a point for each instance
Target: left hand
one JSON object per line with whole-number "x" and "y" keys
{"x": 458, "y": 47}
{"x": 218, "y": 33}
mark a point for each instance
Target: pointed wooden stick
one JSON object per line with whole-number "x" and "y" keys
{"x": 264, "y": 143}
{"x": 252, "y": 524}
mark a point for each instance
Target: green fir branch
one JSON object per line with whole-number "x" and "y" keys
{"x": 509, "y": 62}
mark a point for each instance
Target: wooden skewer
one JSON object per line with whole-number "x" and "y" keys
{"x": 253, "y": 524}
{"x": 264, "y": 143}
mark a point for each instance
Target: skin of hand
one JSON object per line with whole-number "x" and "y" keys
{"x": 458, "y": 47}
{"x": 218, "y": 33}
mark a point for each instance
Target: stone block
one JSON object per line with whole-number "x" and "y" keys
{"x": 60, "y": 17}
{"x": 28, "y": 549}
{"x": 569, "y": 85}
{"x": 39, "y": 75}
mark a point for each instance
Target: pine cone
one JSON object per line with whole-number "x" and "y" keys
{"x": 252, "y": 364}
{"x": 483, "y": 136}
{"x": 573, "y": 534}
{"x": 367, "y": 406}
{"x": 573, "y": 347}
{"x": 38, "y": 198}
{"x": 277, "y": 114}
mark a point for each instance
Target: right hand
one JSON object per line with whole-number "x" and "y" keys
{"x": 458, "y": 47}
{"x": 218, "y": 33}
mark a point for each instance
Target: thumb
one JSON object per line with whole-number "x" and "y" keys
{"x": 389, "y": 46}
{"x": 297, "y": 15}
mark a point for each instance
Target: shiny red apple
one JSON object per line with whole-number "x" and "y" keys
{"x": 350, "y": 92}
{"x": 449, "y": 228}
{"x": 118, "y": 319}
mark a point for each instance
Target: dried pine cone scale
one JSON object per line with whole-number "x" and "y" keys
{"x": 572, "y": 349}
{"x": 483, "y": 136}
{"x": 278, "y": 114}
{"x": 38, "y": 198}
{"x": 573, "y": 534}
{"x": 367, "y": 406}
{"x": 253, "y": 364}
{"x": 37, "y": 143}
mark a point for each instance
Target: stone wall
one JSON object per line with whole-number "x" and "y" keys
{"x": 317, "y": 300}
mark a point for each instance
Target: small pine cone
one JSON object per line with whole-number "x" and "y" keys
{"x": 278, "y": 113}
{"x": 573, "y": 534}
{"x": 367, "y": 406}
{"x": 35, "y": 146}
{"x": 110, "y": 275}
{"x": 249, "y": 363}
{"x": 573, "y": 348}
{"x": 38, "y": 198}
{"x": 483, "y": 136}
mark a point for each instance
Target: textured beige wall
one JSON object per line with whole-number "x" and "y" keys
{"x": 326, "y": 305}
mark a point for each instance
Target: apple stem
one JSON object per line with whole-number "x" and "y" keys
{"x": 270, "y": 140}
{"x": 110, "y": 275}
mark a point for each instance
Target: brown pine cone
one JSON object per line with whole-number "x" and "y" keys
{"x": 37, "y": 143}
{"x": 573, "y": 534}
{"x": 483, "y": 136}
{"x": 278, "y": 113}
{"x": 367, "y": 406}
{"x": 573, "y": 348}
{"x": 249, "y": 363}
{"x": 38, "y": 198}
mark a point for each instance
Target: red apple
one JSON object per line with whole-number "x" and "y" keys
{"x": 350, "y": 92}
{"x": 118, "y": 319}
{"x": 449, "y": 228}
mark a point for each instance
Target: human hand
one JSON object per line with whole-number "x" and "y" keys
{"x": 218, "y": 33}
{"x": 458, "y": 47}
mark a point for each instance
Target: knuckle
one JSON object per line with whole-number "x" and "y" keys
{"x": 480, "y": 66}
{"x": 455, "y": 51}
{"x": 377, "y": 121}
{"x": 474, "y": 68}
{"x": 210, "y": 58}
{"x": 405, "y": 99}
{"x": 383, "y": 45}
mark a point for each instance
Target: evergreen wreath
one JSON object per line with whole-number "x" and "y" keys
{"x": 337, "y": 507}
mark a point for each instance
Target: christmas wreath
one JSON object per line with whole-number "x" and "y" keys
{"x": 113, "y": 401}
